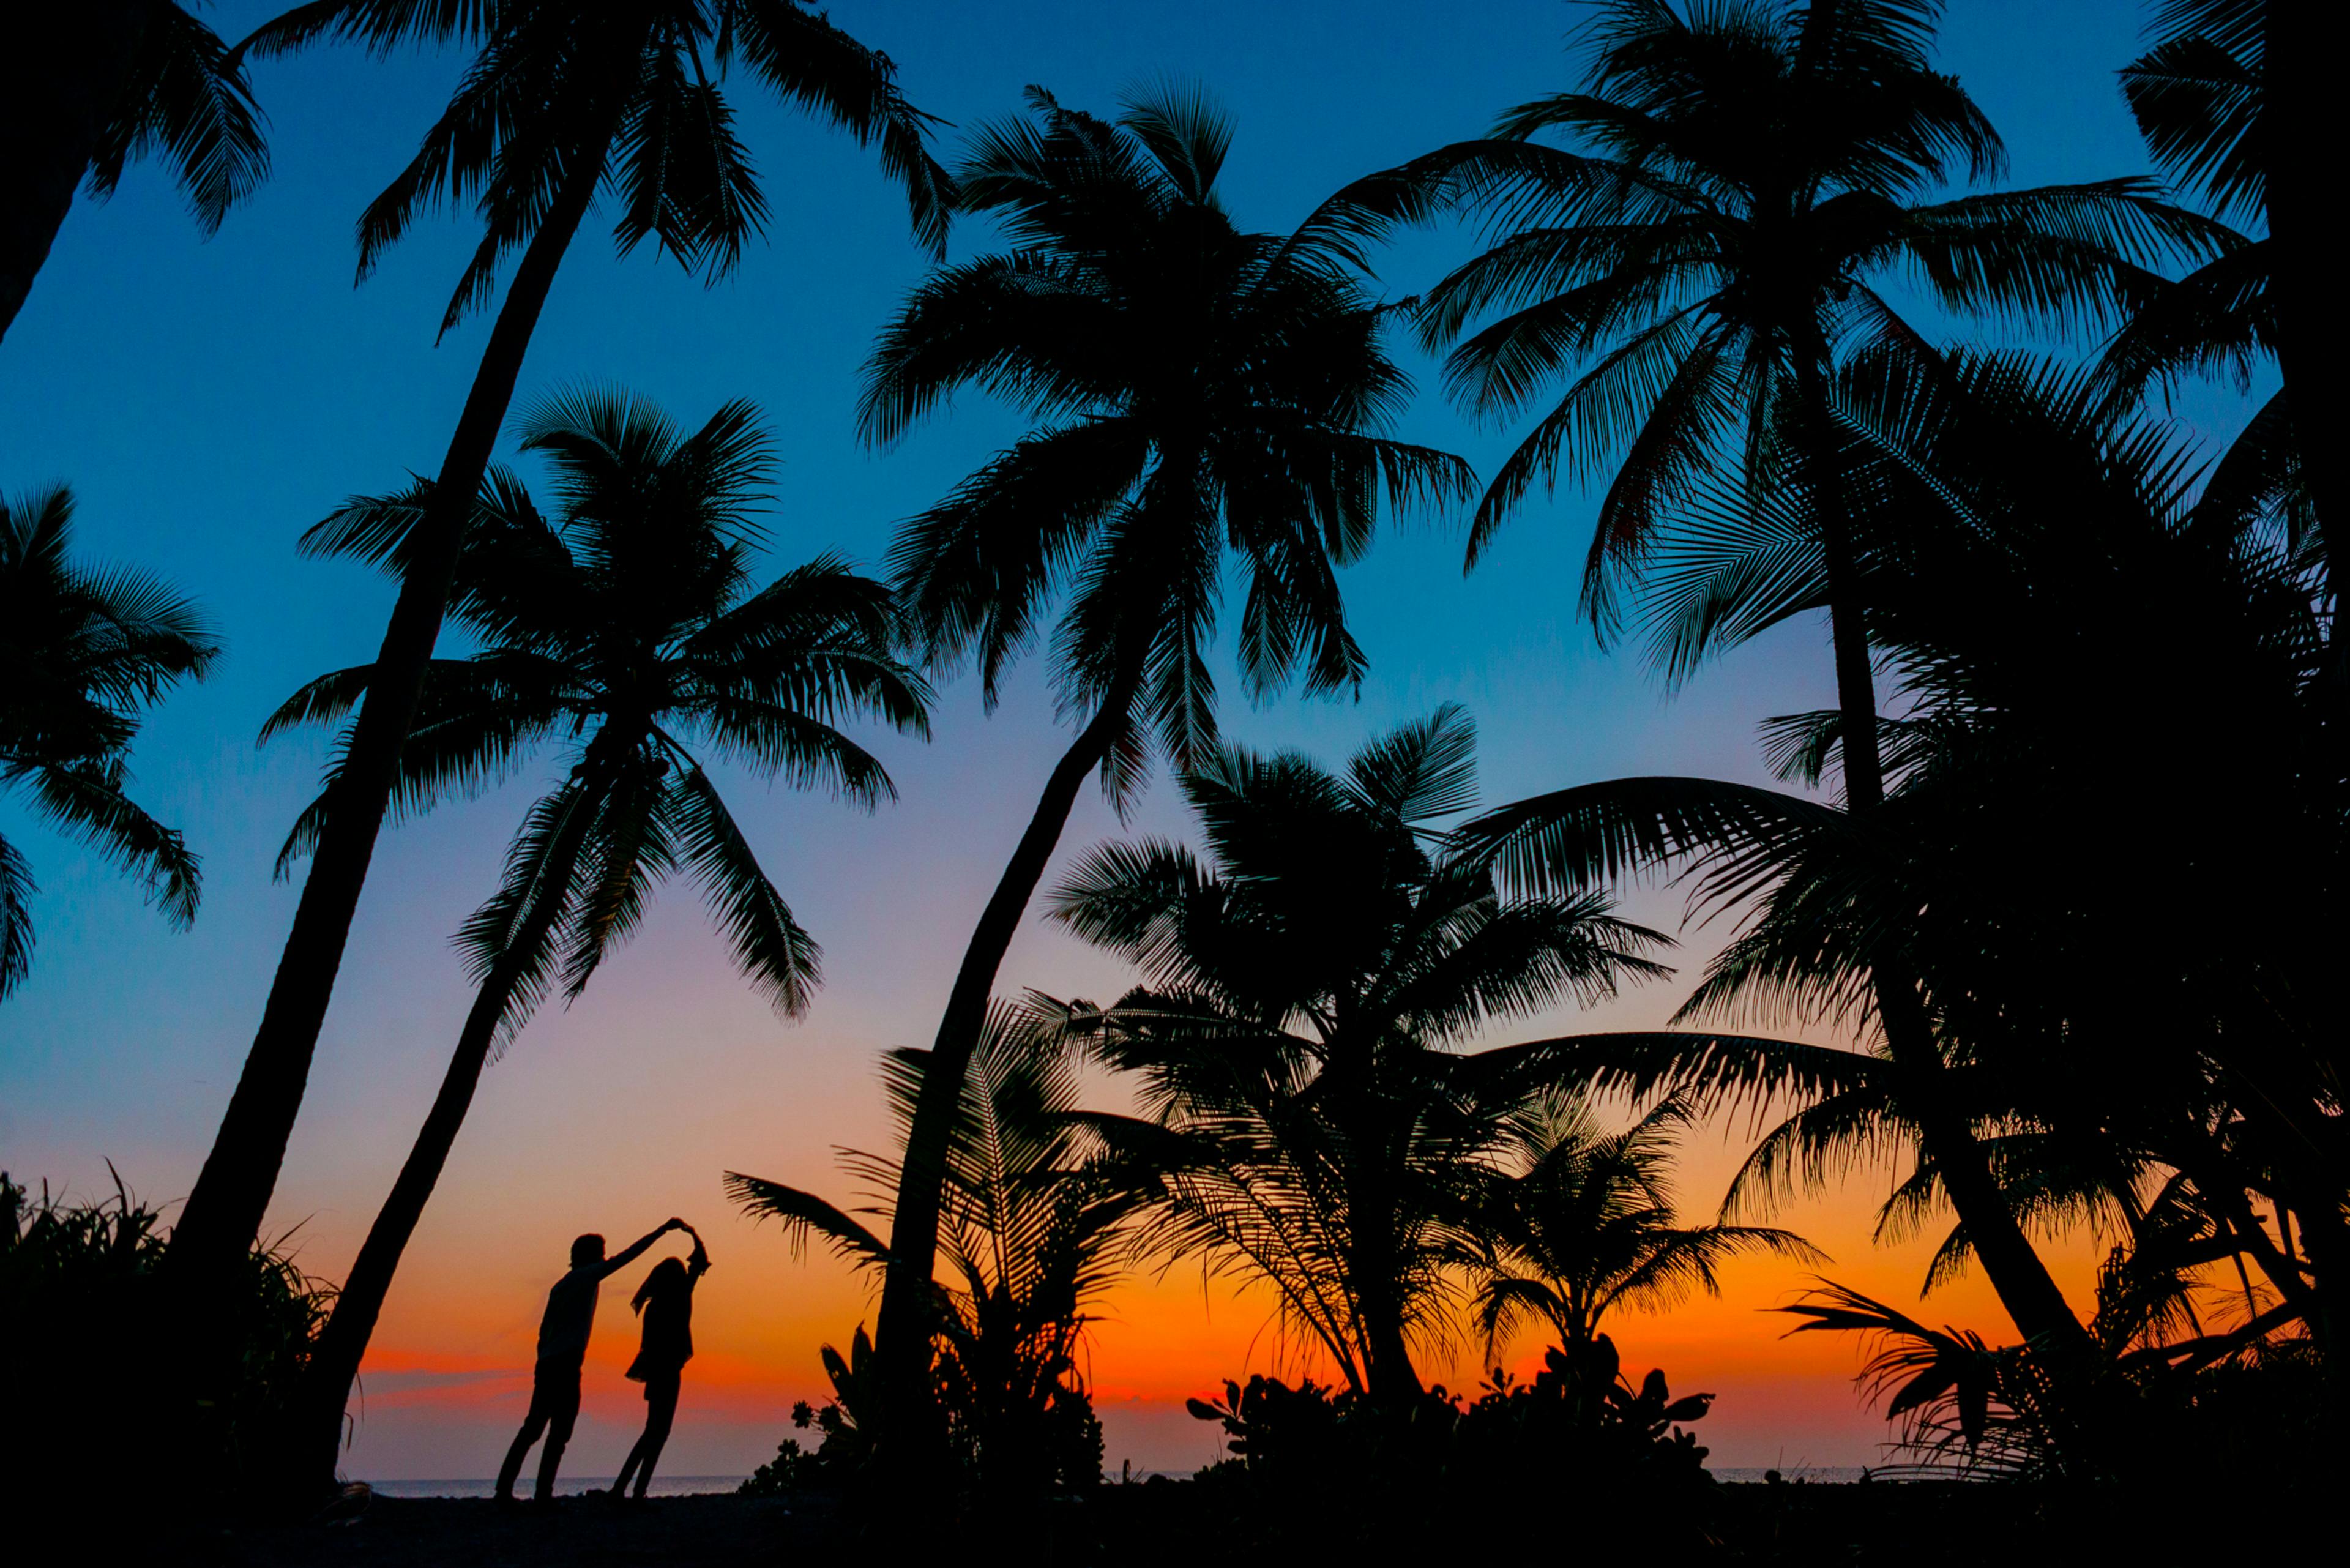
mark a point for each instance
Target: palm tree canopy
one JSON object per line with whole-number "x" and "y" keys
{"x": 1015, "y": 1219}
{"x": 87, "y": 651}
{"x": 1305, "y": 1119}
{"x": 2197, "y": 93}
{"x": 630, "y": 628}
{"x": 1031, "y": 1236}
{"x": 1197, "y": 388}
{"x": 638, "y": 88}
{"x": 1745, "y": 175}
{"x": 2198, "y": 97}
{"x": 186, "y": 100}
{"x": 1582, "y": 1221}
{"x": 2020, "y": 528}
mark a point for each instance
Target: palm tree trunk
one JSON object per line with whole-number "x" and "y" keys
{"x": 2025, "y": 1288}
{"x": 902, "y": 1334}
{"x": 61, "y": 79}
{"x": 1393, "y": 1384}
{"x": 224, "y": 1211}
{"x": 342, "y": 1344}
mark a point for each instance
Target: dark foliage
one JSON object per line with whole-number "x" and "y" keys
{"x": 79, "y": 1348}
{"x": 1026, "y": 1241}
{"x": 1613, "y": 1461}
{"x": 84, "y": 652}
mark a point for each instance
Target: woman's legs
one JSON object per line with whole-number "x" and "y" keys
{"x": 660, "y": 1410}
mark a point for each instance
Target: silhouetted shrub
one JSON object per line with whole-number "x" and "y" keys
{"x": 1024, "y": 1437}
{"x": 1580, "y": 1416}
{"x": 790, "y": 1470}
{"x": 82, "y": 1341}
{"x": 1579, "y": 1436}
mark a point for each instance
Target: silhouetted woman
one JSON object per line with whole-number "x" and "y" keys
{"x": 665, "y": 1301}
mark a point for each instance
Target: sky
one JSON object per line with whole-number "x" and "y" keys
{"x": 207, "y": 400}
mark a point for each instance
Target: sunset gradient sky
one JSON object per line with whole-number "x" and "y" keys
{"x": 209, "y": 400}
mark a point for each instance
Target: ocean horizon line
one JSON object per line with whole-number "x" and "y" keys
{"x": 703, "y": 1486}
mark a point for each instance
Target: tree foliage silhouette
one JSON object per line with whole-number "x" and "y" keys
{"x": 629, "y": 629}
{"x": 1307, "y": 1120}
{"x": 2232, "y": 104}
{"x": 564, "y": 98}
{"x": 2015, "y": 525}
{"x": 87, "y": 650}
{"x": 88, "y": 89}
{"x": 1580, "y": 1223}
{"x": 1744, "y": 173}
{"x": 1029, "y": 1237}
{"x": 1197, "y": 390}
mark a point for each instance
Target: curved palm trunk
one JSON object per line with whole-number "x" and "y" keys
{"x": 63, "y": 77}
{"x": 224, "y": 1211}
{"x": 342, "y": 1344}
{"x": 2024, "y": 1285}
{"x": 902, "y": 1334}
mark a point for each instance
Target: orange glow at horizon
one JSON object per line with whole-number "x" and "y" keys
{"x": 454, "y": 1348}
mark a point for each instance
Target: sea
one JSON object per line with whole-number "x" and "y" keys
{"x": 1816, "y": 1475}
{"x": 690, "y": 1486}
{"x": 567, "y": 1486}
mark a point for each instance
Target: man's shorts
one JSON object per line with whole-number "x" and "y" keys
{"x": 555, "y": 1398}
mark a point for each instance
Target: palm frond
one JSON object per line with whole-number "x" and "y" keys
{"x": 803, "y": 1215}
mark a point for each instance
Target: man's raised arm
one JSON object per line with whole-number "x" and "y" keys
{"x": 635, "y": 1249}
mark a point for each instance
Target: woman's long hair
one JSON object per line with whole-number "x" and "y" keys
{"x": 668, "y": 1274}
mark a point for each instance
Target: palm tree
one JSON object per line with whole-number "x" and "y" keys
{"x": 564, "y": 98}
{"x": 1582, "y": 1222}
{"x": 2017, "y": 529}
{"x": 86, "y": 89}
{"x": 1197, "y": 389}
{"x": 2229, "y": 99}
{"x": 1030, "y": 1240}
{"x": 628, "y": 628}
{"x": 1308, "y": 1121}
{"x": 1998, "y": 1412}
{"x": 1753, "y": 169}
{"x": 87, "y": 651}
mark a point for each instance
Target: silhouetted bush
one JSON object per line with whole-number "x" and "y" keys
{"x": 1579, "y": 1436}
{"x": 84, "y": 1343}
{"x": 1018, "y": 1439}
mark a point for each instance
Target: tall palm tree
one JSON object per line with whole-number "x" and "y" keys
{"x": 85, "y": 91}
{"x": 2231, "y": 100}
{"x": 1308, "y": 1120}
{"x": 628, "y": 628}
{"x": 1581, "y": 1222}
{"x": 87, "y": 650}
{"x": 1030, "y": 1239}
{"x": 1753, "y": 170}
{"x": 1197, "y": 389}
{"x": 564, "y": 98}
{"x": 2017, "y": 528}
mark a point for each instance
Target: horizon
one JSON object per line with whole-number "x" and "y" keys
{"x": 209, "y": 400}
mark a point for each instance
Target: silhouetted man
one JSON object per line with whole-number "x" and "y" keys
{"x": 561, "y": 1347}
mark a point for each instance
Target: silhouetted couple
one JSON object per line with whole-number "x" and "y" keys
{"x": 665, "y": 1302}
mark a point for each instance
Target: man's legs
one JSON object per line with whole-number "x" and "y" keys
{"x": 562, "y": 1412}
{"x": 532, "y": 1426}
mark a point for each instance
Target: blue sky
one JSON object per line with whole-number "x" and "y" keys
{"x": 208, "y": 400}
